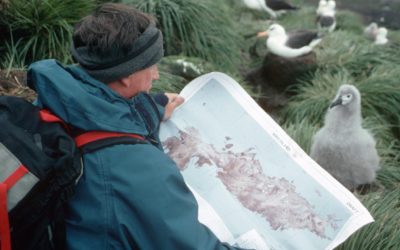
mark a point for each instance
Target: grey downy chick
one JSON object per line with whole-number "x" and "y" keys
{"x": 342, "y": 146}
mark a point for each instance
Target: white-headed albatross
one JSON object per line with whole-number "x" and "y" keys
{"x": 321, "y": 6}
{"x": 326, "y": 19}
{"x": 273, "y": 7}
{"x": 290, "y": 44}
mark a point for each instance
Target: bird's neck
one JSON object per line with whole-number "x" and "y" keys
{"x": 343, "y": 119}
{"x": 281, "y": 39}
{"x": 330, "y": 13}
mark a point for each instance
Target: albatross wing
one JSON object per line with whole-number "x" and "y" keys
{"x": 301, "y": 38}
{"x": 280, "y": 5}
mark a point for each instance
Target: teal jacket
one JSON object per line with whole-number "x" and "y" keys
{"x": 130, "y": 196}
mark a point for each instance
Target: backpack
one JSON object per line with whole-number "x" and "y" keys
{"x": 40, "y": 164}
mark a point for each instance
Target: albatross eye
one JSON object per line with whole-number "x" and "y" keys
{"x": 346, "y": 98}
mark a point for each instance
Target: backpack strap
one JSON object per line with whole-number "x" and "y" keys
{"x": 4, "y": 225}
{"x": 95, "y": 140}
{"x": 47, "y": 116}
{"x": 4, "y": 187}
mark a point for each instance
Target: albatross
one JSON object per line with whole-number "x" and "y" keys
{"x": 321, "y": 6}
{"x": 381, "y": 38}
{"x": 377, "y": 34}
{"x": 291, "y": 44}
{"x": 331, "y": 4}
{"x": 273, "y": 7}
{"x": 342, "y": 146}
{"x": 326, "y": 19}
{"x": 371, "y": 31}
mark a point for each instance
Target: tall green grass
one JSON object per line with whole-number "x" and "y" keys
{"x": 383, "y": 234}
{"x": 194, "y": 28}
{"x": 37, "y": 29}
{"x": 301, "y": 132}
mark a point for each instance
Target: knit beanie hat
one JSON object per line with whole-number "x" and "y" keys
{"x": 146, "y": 50}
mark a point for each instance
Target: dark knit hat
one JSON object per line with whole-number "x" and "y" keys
{"x": 147, "y": 50}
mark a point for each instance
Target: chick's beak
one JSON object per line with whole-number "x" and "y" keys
{"x": 336, "y": 102}
{"x": 262, "y": 34}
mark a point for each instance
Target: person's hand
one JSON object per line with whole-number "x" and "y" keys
{"x": 174, "y": 100}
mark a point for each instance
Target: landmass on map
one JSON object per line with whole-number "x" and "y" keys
{"x": 274, "y": 198}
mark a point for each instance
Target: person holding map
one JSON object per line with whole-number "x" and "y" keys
{"x": 130, "y": 196}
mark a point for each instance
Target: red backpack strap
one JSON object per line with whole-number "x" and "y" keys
{"x": 47, "y": 116}
{"x": 4, "y": 225}
{"x": 92, "y": 136}
{"x": 4, "y": 187}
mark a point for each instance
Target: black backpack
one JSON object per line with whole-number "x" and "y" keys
{"x": 40, "y": 164}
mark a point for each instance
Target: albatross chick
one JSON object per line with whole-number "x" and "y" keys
{"x": 342, "y": 146}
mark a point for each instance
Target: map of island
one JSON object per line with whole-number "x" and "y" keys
{"x": 273, "y": 198}
{"x": 234, "y": 156}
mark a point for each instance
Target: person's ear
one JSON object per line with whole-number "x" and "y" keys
{"x": 125, "y": 81}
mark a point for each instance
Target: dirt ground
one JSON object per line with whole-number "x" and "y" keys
{"x": 14, "y": 83}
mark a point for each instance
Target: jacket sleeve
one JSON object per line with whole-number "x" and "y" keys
{"x": 160, "y": 99}
{"x": 161, "y": 212}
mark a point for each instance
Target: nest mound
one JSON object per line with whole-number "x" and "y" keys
{"x": 275, "y": 77}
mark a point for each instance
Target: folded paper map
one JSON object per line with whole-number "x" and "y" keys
{"x": 255, "y": 186}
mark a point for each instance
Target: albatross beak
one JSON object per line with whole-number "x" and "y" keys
{"x": 262, "y": 34}
{"x": 336, "y": 102}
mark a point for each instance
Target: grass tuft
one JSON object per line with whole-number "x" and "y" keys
{"x": 384, "y": 232}
{"x": 37, "y": 29}
{"x": 196, "y": 29}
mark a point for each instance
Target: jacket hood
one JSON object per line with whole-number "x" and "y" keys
{"x": 80, "y": 100}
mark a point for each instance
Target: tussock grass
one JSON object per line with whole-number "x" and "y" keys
{"x": 381, "y": 94}
{"x": 373, "y": 56}
{"x": 349, "y": 21}
{"x": 388, "y": 149}
{"x": 384, "y": 232}
{"x": 187, "y": 67}
{"x": 169, "y": 83}
{"x": 339, "y": 48}
{"x": 177, "y": 71}
{"x": 302, "y": 19}
{"x": 12, "y": 56}
{"x": 301, "y": 132}
{"x": 313, "y": 96}
{"x": 196, "y": 29}
{"x": 37, "y": 29}
{"x": 389, "y": 175}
